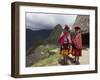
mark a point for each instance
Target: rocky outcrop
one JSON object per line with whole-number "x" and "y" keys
{"x": 42, "y": 48}
{"x": 54, "y": 35}
{"x": 39, "y": 53}
{"x": 83, "y": 21}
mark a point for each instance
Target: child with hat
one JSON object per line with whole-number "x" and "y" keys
{"x": 65, "y": 42}
{"x": 77, "y": 44}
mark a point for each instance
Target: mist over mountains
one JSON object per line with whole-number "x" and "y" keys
{"x": 54, "y": 35}
{"x": 38, "y": 43}
{"x": 32, "y": 36}
{"x": 49, "y": 36}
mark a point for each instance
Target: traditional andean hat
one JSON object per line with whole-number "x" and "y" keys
{"x": 77, "y": 27}
{"x": 66, "y": 27}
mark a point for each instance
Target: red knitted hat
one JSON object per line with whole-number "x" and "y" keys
{"x": 77, "y": 27}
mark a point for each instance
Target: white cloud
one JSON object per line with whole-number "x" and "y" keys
{"x": 36, "y": 21}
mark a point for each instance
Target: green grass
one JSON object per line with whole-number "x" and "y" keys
{"x": 51, "y": 47}
{"x": 50, "y": 61}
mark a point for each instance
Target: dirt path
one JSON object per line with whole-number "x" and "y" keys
{"x": 84, "y": 59}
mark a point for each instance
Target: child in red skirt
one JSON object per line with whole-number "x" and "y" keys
{"x": 77, "y": 44}
{"x": 65, "y": 42}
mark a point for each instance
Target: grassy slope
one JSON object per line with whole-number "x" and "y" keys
{"x": 51, "y": 60}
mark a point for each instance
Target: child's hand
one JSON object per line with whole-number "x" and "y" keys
{"x": 62, "y": 46}
{"x": 70, "y": 51}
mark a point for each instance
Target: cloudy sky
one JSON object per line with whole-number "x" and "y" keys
{"x": 37, "y": 21}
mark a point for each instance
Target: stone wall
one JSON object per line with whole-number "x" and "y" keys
{"x": 83, "y": 21}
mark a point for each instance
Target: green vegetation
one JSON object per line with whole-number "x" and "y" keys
{"x": 50, "y": 61}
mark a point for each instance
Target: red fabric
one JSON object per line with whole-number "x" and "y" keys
{"x": 77, "y": 42}
{"x": 77, "y": 27}
{"x": 61, "y": 38}
{"x": 76, "y": 52}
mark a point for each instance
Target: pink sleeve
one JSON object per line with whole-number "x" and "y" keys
{"x": 62, "y": 33}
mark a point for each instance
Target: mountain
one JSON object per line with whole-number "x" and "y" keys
{"x": 38, "y": 42}
{"x": 33, "y": 36}
{"x": 83, "y": 21}
{"x": 54, "y": 35}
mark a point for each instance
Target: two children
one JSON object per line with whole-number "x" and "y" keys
{"x": 69, "y": 45}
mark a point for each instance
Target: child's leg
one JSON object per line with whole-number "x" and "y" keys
{"x": 60, "y": 50}
{"x": 77, "y": 60}
{"x": 66, "y": 60}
